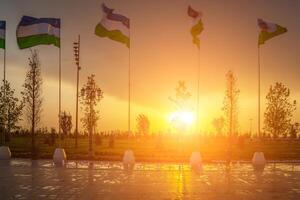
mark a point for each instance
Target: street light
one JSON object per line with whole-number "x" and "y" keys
{"x": 76, "y": 48}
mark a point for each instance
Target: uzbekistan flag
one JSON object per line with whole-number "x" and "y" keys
{"x": 268, "y": 31}
{"x": 36, "y": 31}
{"x": 2, "y": 34}
{"x": 113, "y": 26}
{"x": 197, "y": 27}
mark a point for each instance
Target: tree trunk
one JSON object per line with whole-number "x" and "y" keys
{"x": 230, "y": 124}
{"x": 91, "y": 153}
{"x": 33, "y": 150}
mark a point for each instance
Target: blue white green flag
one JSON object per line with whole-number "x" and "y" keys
{"x": 268, "y": 30}
{"x": 33, "y": 31}
{"x": 2, "y": 34}
{"x": 114, "y": 26}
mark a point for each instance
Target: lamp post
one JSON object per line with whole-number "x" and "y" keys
{"x": 91, "y": 94}
{"x": 76, "y": 57}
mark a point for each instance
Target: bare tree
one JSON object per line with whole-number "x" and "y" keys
{"x": 32, "y": 95}
{"x": 181, "y": 96}
{"x": 230, "y": 110}
{"x": 143, "y": 124}
{"x": 181, "y": 101}
{"x": 279, "y": 111}
{"x": 91, "y": 94}
{"x": 230, "y": 104}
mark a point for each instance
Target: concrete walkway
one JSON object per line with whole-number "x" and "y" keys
{"x": 22, "y": 179}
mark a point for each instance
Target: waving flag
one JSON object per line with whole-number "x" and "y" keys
{"x": 2, "y": 34}
{"x": 36, "y": 31}
{"x": 114, "y": 26}
{"x": 268, "y": 31}
{"x": 197, "y": 27}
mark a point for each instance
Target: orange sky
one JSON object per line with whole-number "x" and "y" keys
{"x": 162, "y": 54}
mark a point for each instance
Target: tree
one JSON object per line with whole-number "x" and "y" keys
{"x": 52, "y": 136}
{"x": 295, "y": 128}
{"x": 66, "y": 123}
{"x": 218, "y": 124}
{"x": 279, "y": 111}
{"x": 181, "y": 100}
{"x": 230, "y": 109}
{"x": 230, "y": 104}
{"x": 181, "y": 96}
{"x": 91, "y": 95}
{"x": 143, "y": 124}
{"x": 10, "y": 109}
{"x": 32, "y": 95}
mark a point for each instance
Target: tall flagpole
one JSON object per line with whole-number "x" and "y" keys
{"x": 59, "y": 95}
{"x": 198, "y": 90}
{"x": 129, "y": 85}
{"x": 4, "y": 79}
{"x": 258, "y": 122}
{"x": 4, "y": 63}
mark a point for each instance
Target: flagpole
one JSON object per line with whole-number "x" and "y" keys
{"x": 258, "y": 122}
{"x": 129, "y": 85}
{"x": 4, "y": 80}
{"x": 4, "y": 62}
{"x": 198, "y": 90}
{"x": 4, "y": 59}
{"x": 59, "y": 95}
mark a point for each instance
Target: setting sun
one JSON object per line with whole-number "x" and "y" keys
{"x": 182, "y": 118}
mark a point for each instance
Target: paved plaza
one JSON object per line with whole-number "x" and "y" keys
{"x": 24, "y": 179}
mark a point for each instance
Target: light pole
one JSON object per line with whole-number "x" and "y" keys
{"x": 91, "y": 94}
{"x": 77, "y": 58}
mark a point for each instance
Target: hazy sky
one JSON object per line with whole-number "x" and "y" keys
{"x": 162, "y": 54}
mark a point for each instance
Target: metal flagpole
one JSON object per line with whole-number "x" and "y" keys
{"x": 258, "y": 122}
{"x": 4, "y": 79}
{"x": 59, "y": 95}
{"x": 129, "y": 79}
{"x": 4, "y": 61}
{"x": 198, "y": 92}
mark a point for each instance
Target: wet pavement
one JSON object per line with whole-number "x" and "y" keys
{"x": 24, "y": 179}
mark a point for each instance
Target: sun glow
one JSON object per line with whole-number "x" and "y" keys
{"x": 182, "y": 117}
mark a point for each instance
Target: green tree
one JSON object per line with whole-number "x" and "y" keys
{"x": 279, "y": 111}
{"x": 10, "y": 110}
{"x": 295, "y": 128}
{"x": 66, "y": 123}
{"x": 32, "y": 95}
{"x": 91, "y": 95}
